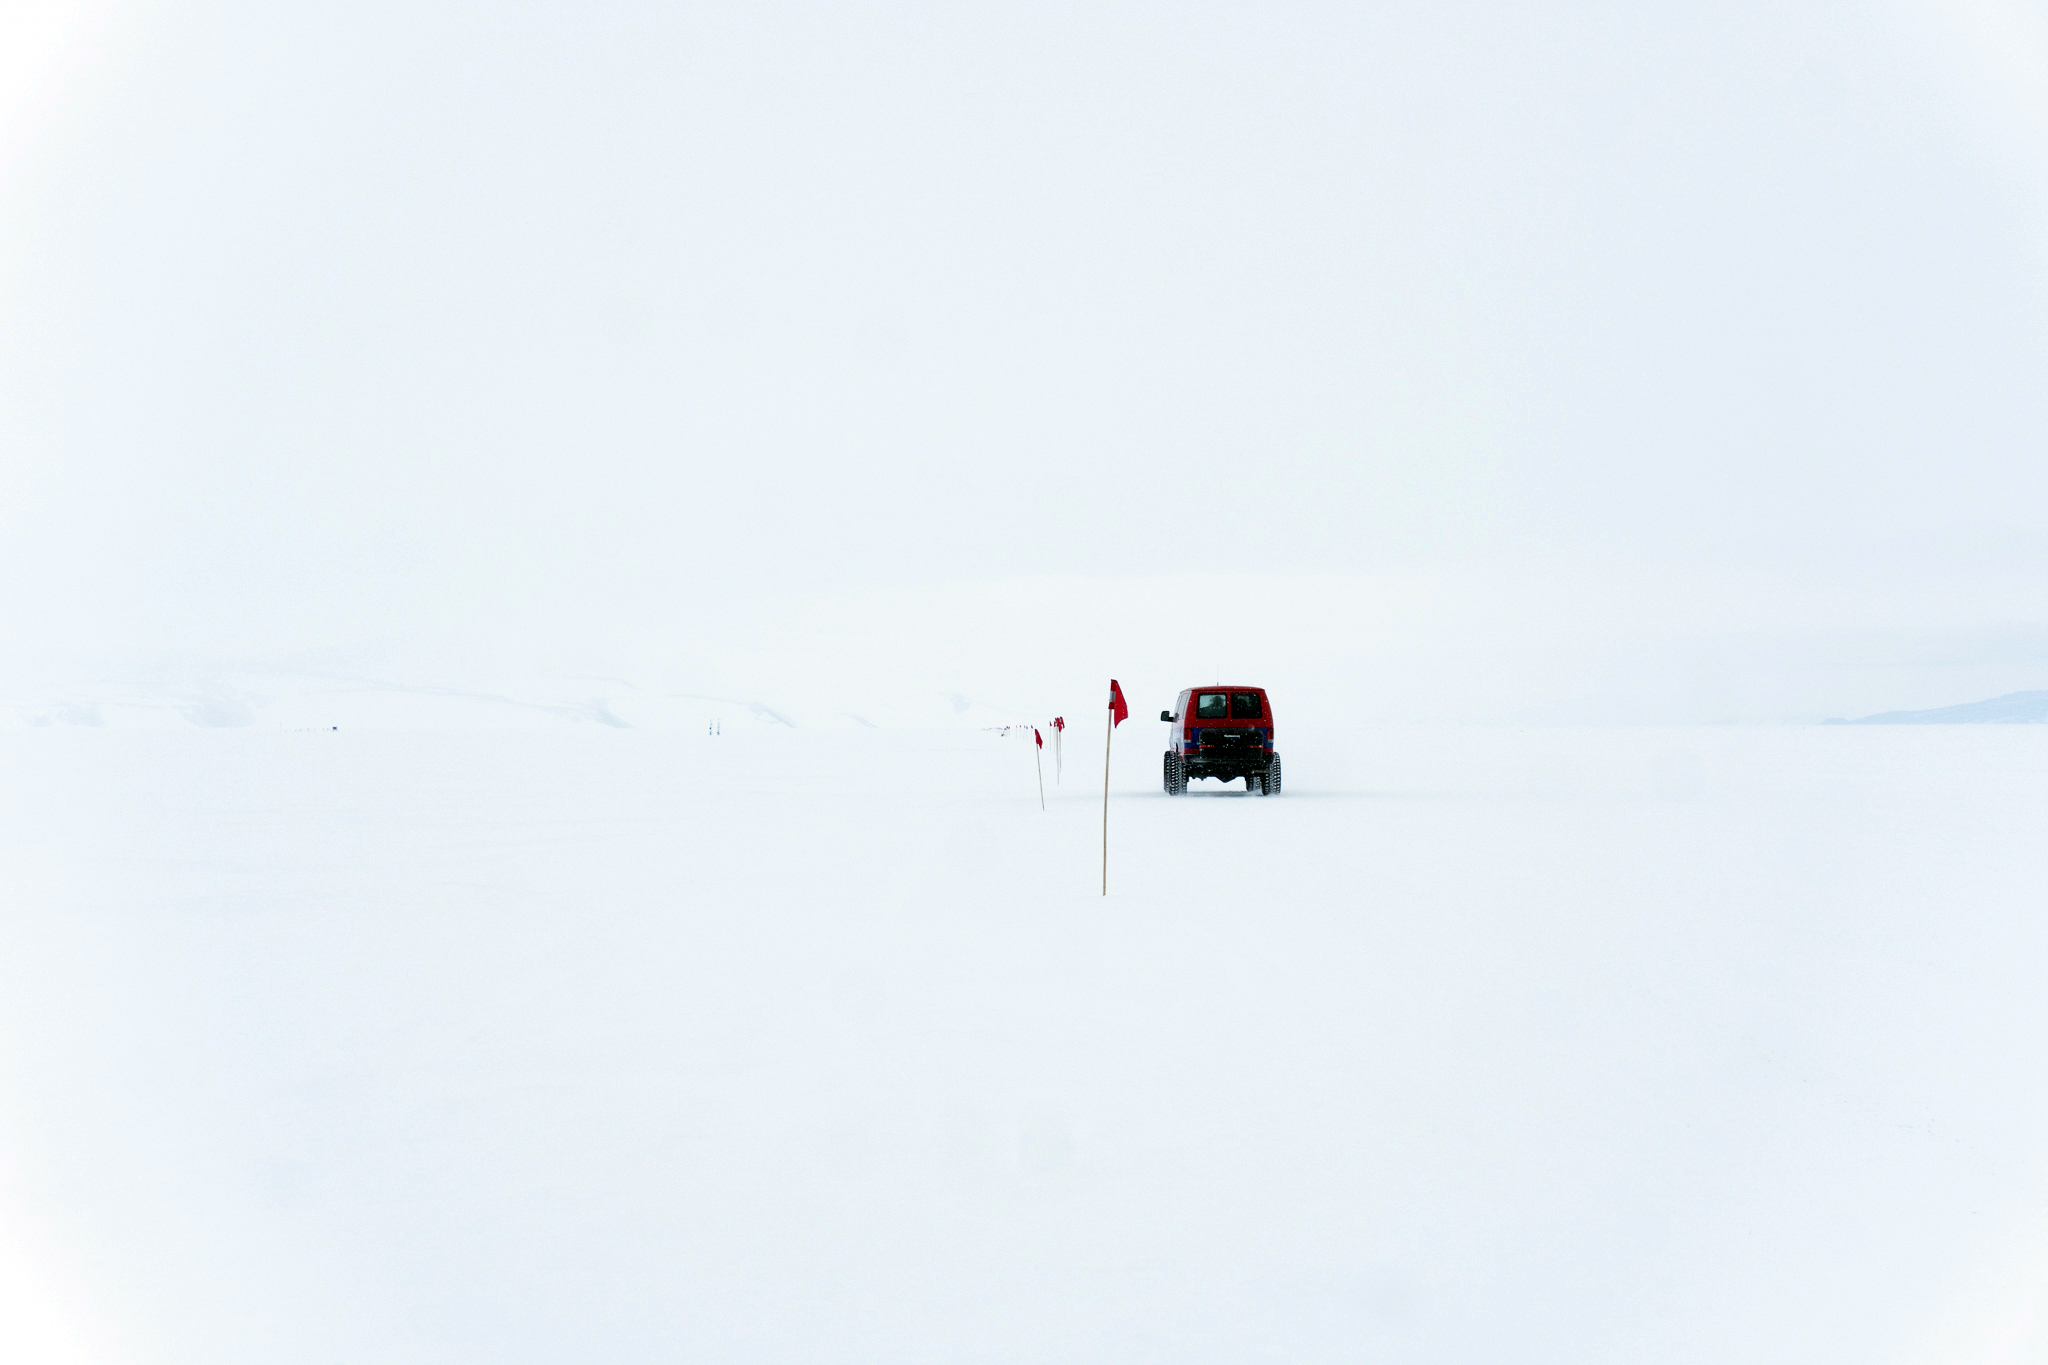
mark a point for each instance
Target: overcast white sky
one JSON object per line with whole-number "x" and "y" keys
{"x": 1677, "y": 360}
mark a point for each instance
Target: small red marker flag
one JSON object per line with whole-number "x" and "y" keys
{"x": 1118, "y": 712}
{"x": 1038, "y": 762}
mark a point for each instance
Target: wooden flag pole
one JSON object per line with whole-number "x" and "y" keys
{"x": 1108, "y": 735}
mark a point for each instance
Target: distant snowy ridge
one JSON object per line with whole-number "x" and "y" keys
{"x": 307, "y": 701}
{"x": 289, "y": 699}
{"x": 2014, "y": 708}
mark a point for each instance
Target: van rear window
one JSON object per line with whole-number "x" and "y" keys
{"x": 1245, "y": 706}
{"x": 1212, "y": 706}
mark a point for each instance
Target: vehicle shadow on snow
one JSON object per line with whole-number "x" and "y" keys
{"x": 1238, "y": 793}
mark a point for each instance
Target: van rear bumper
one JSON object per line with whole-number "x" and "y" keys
{"x": 1226, "y": 762}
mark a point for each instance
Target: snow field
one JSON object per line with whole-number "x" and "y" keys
{"x": 1476, "y": 1045}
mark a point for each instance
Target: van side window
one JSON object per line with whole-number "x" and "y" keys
{"x": 1212, "y": 706}
{"x": 1245, "y": 706}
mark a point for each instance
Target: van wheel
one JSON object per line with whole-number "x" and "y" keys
{"x": 1272, "y": 782}
{"x": 1176, "y": 775}
{"x": 1253, "y": 782}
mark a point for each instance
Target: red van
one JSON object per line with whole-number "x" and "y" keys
{"x": 1225, "y": 732}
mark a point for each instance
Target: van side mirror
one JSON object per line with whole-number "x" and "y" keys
{"x": 1166, "y": 715}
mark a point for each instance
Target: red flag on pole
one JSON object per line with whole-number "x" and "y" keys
{"x": 1117, "y": 712}
{"x": 1038, "y": 737}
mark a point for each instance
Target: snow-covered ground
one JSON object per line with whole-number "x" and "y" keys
{"x": 590, "y": 1044}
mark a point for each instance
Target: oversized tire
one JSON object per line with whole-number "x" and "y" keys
{"x": 1272, "y": 783}
{"x": 1176, "y": 775}
{"x": 1253, "y": 782}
